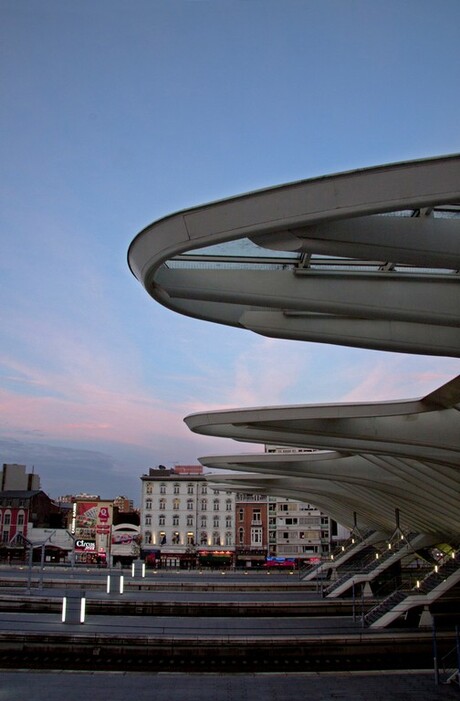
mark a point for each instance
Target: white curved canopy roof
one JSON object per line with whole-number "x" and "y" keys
{"x": 368, "y": 258}
{"x": 383, "y": 456}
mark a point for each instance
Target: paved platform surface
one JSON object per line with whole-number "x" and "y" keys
{"x": 179, "y": 626}
{"x": 389, "y": 686}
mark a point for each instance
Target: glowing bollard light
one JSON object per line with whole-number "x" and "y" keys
{"x": 117, "y": 580}
{"x": 137, "y": 569}
{"x": 73, "y": 607}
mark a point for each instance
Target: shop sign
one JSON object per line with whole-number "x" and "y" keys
{"x": 85, "y": 545}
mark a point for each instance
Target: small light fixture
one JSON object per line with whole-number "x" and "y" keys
{"x": 82, "y": 609}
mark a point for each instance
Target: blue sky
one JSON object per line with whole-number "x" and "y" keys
{"x": 115, "y": 114}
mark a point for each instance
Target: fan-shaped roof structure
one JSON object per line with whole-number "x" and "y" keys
{"x": 367, "y": 258}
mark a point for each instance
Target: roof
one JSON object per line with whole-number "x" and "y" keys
{"x": 368, "y": 258}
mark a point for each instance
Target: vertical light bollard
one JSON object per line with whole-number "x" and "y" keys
{"x": 74, "y": 606}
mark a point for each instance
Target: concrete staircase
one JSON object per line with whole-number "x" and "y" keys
{"x": 346, "y": 553}
{"x": 366, "y": 572}
{"x": 433, "y": 586}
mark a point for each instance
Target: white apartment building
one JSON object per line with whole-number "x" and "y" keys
{"x": 298, "y": 530}
{"x": 183, "y": 518}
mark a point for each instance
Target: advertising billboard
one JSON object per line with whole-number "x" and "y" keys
{"x": 93, "y": 523}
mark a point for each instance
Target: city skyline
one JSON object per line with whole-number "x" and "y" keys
{"x": 114, "y": 117}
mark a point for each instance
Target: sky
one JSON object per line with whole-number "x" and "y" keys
{"x": 116, "y": 113}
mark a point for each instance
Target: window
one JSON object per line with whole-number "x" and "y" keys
{"x": 189, "y": 520}
{"x": 147, "y": 537}
{"x": 162, "y": 488}
{"x": 204, "y": 489}
{"x": 190, "y": 539}
{"x": 176, "y": 489}
{"x": 216, "y": 538}
{"x": 175, "y": 521}
{"x": 148, "y": 520}
{"x": 6, "y": 536}
{"x": 203, "y": 522}
{"x": 228, "y": 538}
{"x": 241, "y": 514}
{"x": 176, "y": 504}
{"x": 204, "y": 504}
{"x": 162, "y": 504}
{"x": 176, "y": 538}
{"x": 7, "y": 519}
{"x": 20, "y": 519}
{"x": 190, "y": 489}
{"x": 256, "y": 516}
{"x": 189, "y": 504}
{"x": 216, "y": 504}
{"x": 203, "y": 538}
{"x": 215, "y": 491}
{"x": 256, "y": 536}
{"x": 148, "y": 504}
{"x": 148, "y": 488}
{"x": 161, "y": 520}
{"x": 228, "y": 504}
{"x": 228, "y": 522}
{"x": 215, "y": 522}
{"x": 241, "y": 536}
{"x": 162, "y": 538}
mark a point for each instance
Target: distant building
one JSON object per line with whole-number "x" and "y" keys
{"x": 251, "y": 529}
{"x": 29, "y": 516}
{"x": 13, "y": 476}
{"x": 123, "y": 504}
{"x": 297, "y": 529}
{"x": 183, "y": 520}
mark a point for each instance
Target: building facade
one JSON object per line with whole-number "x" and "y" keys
{"x": 29, "y": 516}
{"x": 183, "y": 520}
{"x": 297, "y": 530}
{"x": 251, "y": 545}
{"x": 15, "y": 477}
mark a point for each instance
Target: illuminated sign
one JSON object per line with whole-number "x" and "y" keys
{"x": 85, "y": 545}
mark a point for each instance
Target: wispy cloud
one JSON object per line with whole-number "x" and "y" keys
{"x": 400, "y": 377}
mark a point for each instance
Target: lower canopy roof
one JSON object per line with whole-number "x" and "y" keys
{"x": 425, "y": 429}
{"x": 389, "y": 455}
